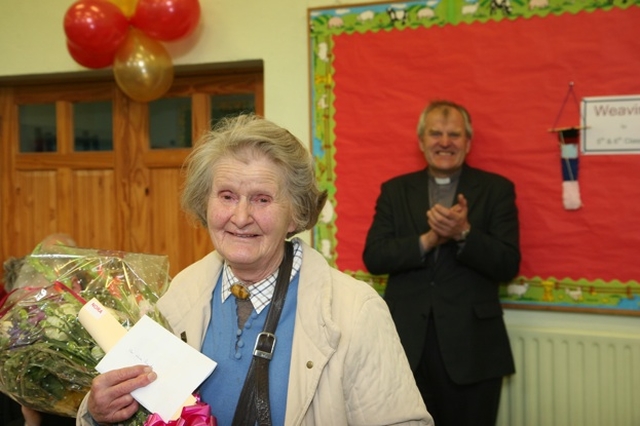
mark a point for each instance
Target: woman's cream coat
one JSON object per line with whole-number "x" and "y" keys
{"x": 347, "y": 364}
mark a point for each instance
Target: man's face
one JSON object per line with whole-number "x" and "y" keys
{"x": 445, "y": 143}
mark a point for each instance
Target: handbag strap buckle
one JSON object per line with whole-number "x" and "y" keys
{"x": 265, "y": 345}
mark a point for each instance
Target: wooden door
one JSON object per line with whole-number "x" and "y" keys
{"x": 125, "y": 197}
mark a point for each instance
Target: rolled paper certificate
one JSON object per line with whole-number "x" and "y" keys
{"x": 101, "y": 325}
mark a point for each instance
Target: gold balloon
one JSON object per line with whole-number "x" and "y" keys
{"x": 142, "y": 67}
{"x": 126, "y": 6}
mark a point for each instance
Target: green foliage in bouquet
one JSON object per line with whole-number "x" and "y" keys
{"x": 47, "y": 359}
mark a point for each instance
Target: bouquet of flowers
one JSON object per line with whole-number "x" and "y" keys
{"x": 128, "y": 283}
{"x": 47, "y": 359}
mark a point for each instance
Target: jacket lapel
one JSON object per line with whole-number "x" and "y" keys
{"x": 418, "y": 200}
{"x": 468, "y": 186}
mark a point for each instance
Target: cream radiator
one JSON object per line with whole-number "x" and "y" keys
{"x": 572, "y": 378}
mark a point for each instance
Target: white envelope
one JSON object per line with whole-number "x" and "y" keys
{"x": 180, "y": 368}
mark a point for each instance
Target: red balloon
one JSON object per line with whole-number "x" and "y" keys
{"x": 90, "y": 59}
{"x": 96, "y": 26}
{"x": 166, "y": 20}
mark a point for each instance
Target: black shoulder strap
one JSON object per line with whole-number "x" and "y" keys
{"x": 253, "y": 404}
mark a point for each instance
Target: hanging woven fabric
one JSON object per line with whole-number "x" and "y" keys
{"x": 569, "y": 139}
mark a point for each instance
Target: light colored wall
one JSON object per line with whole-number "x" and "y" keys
{"x": 32, "y": 41}
{"x": 570, "y": 322}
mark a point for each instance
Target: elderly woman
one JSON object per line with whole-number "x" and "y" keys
{"x": 338, "y": 359}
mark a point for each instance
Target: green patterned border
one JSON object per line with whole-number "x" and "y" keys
{"x": 524, "y": 292}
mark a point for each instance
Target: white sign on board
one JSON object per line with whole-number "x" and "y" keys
{"x": 611, "y": 125}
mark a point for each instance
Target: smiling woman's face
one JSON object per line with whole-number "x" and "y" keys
{"x": 249, "y": 216}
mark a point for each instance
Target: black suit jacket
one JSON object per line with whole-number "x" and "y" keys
{"x": 459, "y": 287}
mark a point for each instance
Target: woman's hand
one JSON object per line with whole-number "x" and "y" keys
{"x": 110, "y": 399}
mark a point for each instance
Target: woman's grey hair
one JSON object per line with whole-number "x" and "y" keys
{"x": 244, "y": 136}
{"x": 445, "y": 106}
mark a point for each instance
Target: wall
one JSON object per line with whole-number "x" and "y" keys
{"x": 32, "y": 41}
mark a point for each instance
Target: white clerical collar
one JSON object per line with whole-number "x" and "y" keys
{"x": 447, "y": 179}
